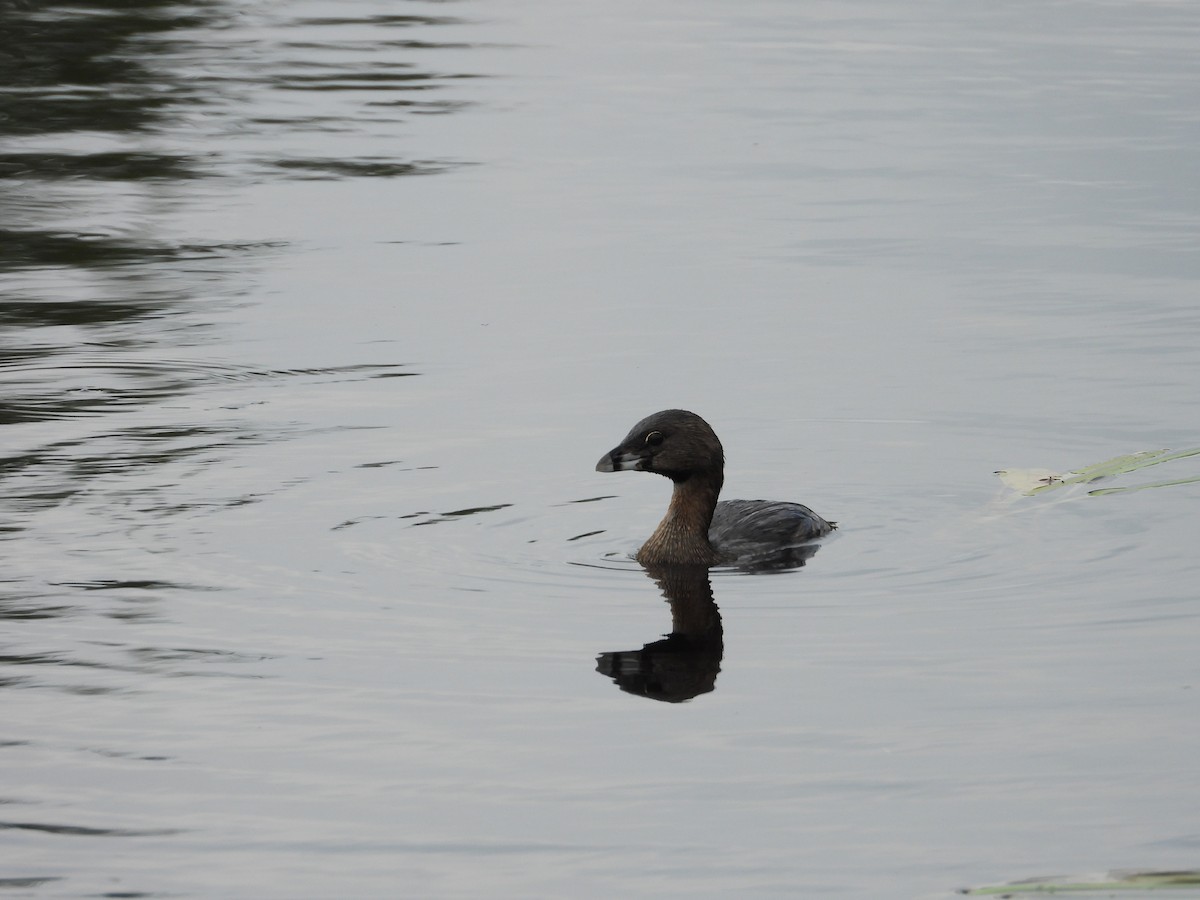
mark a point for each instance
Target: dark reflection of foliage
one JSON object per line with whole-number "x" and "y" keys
{"x": 73, "y": 67}
{"x": 358, "y": 80}
{"x": 685, "y": 663}
{"x": 385, "y": 20}
{"x": 51, "y": 402}
{"x": 424, "y": 107}
{"x": 141, "y": 383}
{"x": 12, "y": 664}
{"x": 36, "y": 313}
{"x": 45, "y": 659}
{"x": 52, "y": 474}
{"x": 91, "y": 309}
{"x": 79, "y": 830}
{"x": 144, "y": 584}
{"x": 21, "y": 608}
{"x": 342, "y": 168}
{"x": 42, "y": 248}
{"x": 375, "y": 71}
{"x": 113, "y": 166}
{"x": 84, "y": 68}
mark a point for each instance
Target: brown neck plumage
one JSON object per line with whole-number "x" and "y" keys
{"x": 682, "y": 536}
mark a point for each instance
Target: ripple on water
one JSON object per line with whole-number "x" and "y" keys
{"x": 72, "y": 388}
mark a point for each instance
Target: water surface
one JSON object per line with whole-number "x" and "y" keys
{"x": 316, "y": 317}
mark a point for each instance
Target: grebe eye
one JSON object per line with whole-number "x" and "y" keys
{"x": 654, "y": 438}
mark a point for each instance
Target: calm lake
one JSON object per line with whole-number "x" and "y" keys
{"x": 316, "y": 316}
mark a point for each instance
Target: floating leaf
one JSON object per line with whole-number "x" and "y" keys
{"x": 1142, "y": 487}
{"x": 1112, "y": 882}
{"x": 1037, "y": 481}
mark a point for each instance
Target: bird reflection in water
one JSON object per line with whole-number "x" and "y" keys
{"x": 683, "y": 664}
{"x": 698, "y": 532}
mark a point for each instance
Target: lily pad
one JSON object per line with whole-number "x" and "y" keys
{"x": 1037, "y": 481}
{"x": 1112, "y": 882}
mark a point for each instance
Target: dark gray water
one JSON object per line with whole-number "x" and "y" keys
{"x": 316, "y": 317}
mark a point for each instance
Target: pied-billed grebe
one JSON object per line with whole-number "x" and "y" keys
{"x": 697, "y": 530}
